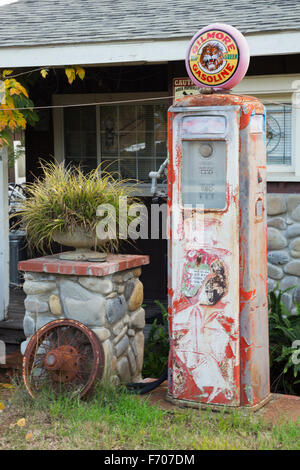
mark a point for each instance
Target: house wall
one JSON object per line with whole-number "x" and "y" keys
{"x": 140, "y": 78}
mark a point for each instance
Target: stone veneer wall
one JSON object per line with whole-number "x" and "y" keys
{"x": 283, "y": 211}
{"x": 110, "y": 305}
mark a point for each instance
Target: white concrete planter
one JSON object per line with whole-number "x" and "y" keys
{"x": 84, "y": 243}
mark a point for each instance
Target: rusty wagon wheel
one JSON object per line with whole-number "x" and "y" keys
{"x": 64, "y": 356}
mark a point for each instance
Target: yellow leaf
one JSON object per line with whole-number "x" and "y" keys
{"x": 12, "y": 125}
{"x": 21, "y": 423}
{"x": 21, "y": 122}
{"x": 1, "y": 406}
{"x": 6, "y": 72}
{"x": 3, "y": 124}
{"x": 2, "y": 142}
{"x": 9, "y": 386}
{"x": 28, "y": 436}
{"x": 9, "y": 82}
{"x": 44, "y": 73}
{"x": 14, "y": 91}
{"x": 70, "y": 72}
{"x": 80, "y": 72}
{"x": 22, "y": 89}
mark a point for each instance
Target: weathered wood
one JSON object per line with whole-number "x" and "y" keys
{"x": 16, "y": 303}
{"x": 12, "y": 324}
{"x": 12, "y": 336}
{"x": 13, "y": 361}
{"x": 11, "y": 330}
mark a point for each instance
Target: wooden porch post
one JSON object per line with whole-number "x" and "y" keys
{"x": 4, "y": 235}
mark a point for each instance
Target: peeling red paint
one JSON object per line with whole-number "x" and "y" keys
{"x": 228, "y": 351}
{"x": 247, "y": 112}
{"x": 245, "y": 352}
{"x": 170, "y": 292}
{"x": 227, "y": 323}
{"x": 220, "y": 99}
{"x": 246, "y": 296}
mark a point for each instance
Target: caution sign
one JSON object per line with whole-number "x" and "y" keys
{"x": 183, "y": 87}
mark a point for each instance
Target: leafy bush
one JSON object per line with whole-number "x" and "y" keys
{"x": 157, "y": 346}
{"x": 284, "y": 329}
{"x": 66, "y": 199}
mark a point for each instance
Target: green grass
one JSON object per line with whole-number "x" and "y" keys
{"x": 113, "y": 419}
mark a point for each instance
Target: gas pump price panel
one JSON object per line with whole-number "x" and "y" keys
{"x": 217, "y": 271}
{"x": 204, "y": 162}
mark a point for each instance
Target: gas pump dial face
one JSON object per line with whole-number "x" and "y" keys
{"x": 206, "y": 150}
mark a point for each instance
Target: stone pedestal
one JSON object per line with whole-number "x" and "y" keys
{"x": 106, "y": 297}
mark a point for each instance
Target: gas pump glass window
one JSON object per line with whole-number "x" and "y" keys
{"x": 204, "y": 163}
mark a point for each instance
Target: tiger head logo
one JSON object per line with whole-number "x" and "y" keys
{"x": 212, "y": 57}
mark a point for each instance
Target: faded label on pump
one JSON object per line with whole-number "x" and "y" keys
{"x": 193, "y": 125}
{"x": 204, "y": 275}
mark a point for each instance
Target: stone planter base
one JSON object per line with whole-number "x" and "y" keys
{"x": 107, "y": 297}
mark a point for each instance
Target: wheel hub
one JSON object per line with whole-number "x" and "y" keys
{"x": 63, "y": 362}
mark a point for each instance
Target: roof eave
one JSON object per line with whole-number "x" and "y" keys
{"x": 137, "y": 51}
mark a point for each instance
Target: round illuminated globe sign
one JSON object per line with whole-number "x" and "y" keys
{"x": 217, "y": 57}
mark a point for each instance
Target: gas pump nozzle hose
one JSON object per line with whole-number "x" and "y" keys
{"x": 140, "y": 388}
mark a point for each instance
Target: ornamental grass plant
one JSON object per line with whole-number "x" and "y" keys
{"x": 65, "y": 199}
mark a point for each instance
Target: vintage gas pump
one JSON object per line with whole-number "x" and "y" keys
{"x": 218, "y": 310}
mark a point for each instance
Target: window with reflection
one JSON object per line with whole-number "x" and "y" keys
{"x": 129, "y": 139}
{"x": 279, "y": 134}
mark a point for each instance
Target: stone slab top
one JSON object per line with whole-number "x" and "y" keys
{"x": 53, "y": 265}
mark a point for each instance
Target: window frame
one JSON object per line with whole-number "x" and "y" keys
{"x": 143, "y": 189}
{"x": 281, "y": 89}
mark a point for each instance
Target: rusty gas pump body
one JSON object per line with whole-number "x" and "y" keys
{"x": 218, "y": 308}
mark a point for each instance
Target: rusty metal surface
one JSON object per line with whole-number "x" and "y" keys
{"x": 220, "y": 99}
{"x": 217, "y": 281}
{"x": 63, "y": 355}
{"x": 63, "y": 362}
